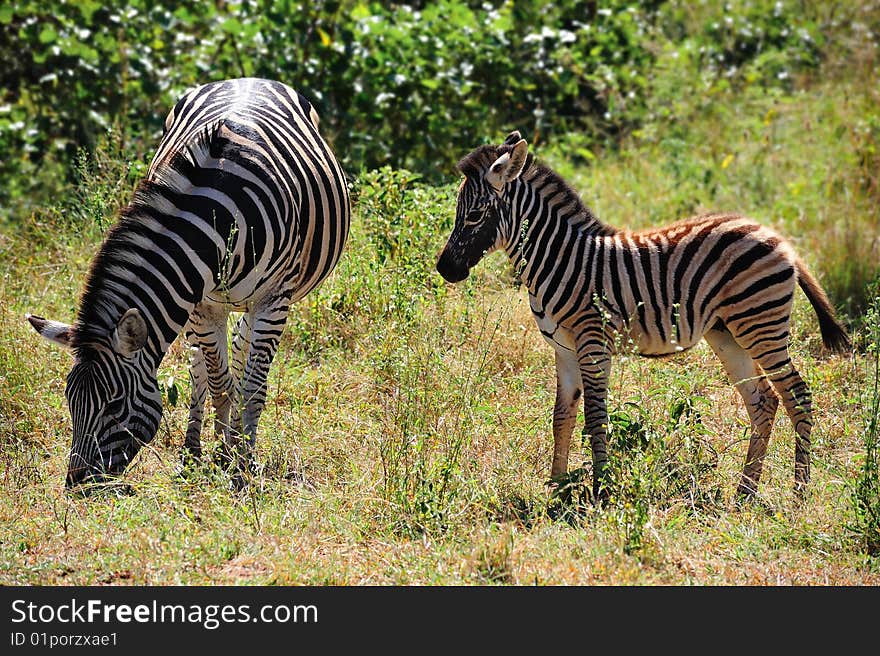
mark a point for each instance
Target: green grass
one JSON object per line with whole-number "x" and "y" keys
{"x": 406, "y": 437}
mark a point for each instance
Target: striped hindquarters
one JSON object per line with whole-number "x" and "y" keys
{"x": 671, "y": 284}
{"x": 247, "y": 158}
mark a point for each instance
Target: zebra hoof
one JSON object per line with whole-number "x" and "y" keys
{"x": 801, "y": 492}
{"x": 752, "y": 501}
{"x": 601, "y": 495}
{"x": 244, "y": 475}
{"x": 240, "y": 481}
{"x": 569, "y": 496}
{"x": 222, "y": 458}
{"x": 108, "y": 487}
{"x": 190, "y": 459}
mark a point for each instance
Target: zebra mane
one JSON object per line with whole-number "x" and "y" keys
{"x": 475, "y": 164}
{"x": 542, "y": 178}
{"x": 101, "y": 303}
{"x": 100, "y": 306}
{"x": 548, "y": 182}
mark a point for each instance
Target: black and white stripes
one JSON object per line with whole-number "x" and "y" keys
{"x": 594, "y": 289}
{"x": 244, "y": 208}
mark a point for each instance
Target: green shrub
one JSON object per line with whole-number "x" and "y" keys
{"x": 394, "y": 84}
{"x": 409, "y": 85}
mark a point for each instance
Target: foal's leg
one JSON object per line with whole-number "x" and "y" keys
{"x": 768, "y": 347}
{"x": 761, "y": 403}
{"x": 798, "y": 404}
{"x": 568, "y": 393}
{"x": 594, "y": 359}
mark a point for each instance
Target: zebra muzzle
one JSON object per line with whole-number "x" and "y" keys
{"x": 451, "y": 269}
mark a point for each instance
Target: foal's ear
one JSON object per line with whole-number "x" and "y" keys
{"x": 508, "y": 166}
{"x": 54, "y": 331}
{"x": 512, "y": 138}
{"x": 130, "y": 334}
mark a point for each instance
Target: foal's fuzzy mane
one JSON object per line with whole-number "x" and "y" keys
{"x": 477, "y": 163}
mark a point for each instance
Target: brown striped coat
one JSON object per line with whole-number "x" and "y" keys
{"x": 594, "y": 290}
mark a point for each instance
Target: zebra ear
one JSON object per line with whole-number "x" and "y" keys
{"x": 130, "y": 334}
{"x": 512, "y": 138}
{"x": 54, "y": 331}
{"x": 508, "y": 166}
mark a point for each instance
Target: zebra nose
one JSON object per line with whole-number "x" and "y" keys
{"x": 451, "y": 269}
{"x": 75, "y": 476}
{"x": 77, "y": 469}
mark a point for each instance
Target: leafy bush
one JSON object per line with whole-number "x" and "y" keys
{"x": 396, "y": 84}
{"x": 411, "y": 85}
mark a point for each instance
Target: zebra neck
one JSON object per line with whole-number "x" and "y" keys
{"x": 549, "y": 222}
{"x": 138, "y": 267}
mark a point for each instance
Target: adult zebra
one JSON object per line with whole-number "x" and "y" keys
{"x": 244, "y": 208}
{"x": 721, "y": 277}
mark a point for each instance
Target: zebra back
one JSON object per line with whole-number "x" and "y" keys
{"x": 242, "y": 196}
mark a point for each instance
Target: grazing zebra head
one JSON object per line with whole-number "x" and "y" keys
{"x": 482, "y": 214}
{"x": 113, "y": 398}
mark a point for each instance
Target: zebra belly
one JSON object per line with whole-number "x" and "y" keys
{"x": 651, "y": 345}
{"x": 656, "y": 343}
{"x": 249, "y": 292}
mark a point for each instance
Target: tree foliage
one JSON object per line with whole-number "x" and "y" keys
{"x": 408, "y": 84}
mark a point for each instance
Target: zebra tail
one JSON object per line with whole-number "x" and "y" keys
{"x": 834, "y": 335}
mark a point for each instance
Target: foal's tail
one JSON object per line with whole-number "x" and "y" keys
{"x": 834, "y": 335}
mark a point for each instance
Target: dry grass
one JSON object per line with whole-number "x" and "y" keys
{"x": 406, "y": 439}
{"x": 318, "y": 513}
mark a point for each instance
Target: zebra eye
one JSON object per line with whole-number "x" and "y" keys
{"x": 115, "y": 407}
{"x": 474, "y": 218}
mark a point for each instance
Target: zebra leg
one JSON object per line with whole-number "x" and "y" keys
{"x": 240, "y": 345}
{"x": 798, "y": 403}
{"x": 198, "y": 376}
{"x": 208, "y": 330}
{"x": 595, "y": 369}
{"x": 568, "y": 393}
{"x": 257, "y": 345}
{"x": 760, "y": 401}
{"x": 231, "y": 427}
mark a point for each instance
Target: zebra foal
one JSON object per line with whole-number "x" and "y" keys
{"x": 244, "y": 208}
{"x": 718, "y": 277}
